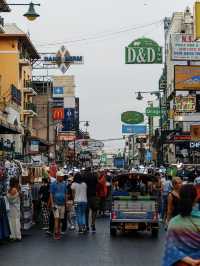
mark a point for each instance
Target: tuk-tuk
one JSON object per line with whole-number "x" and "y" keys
{"x": 134, "y": 204}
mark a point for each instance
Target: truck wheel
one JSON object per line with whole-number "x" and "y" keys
{"x": 154, "y": 232}
{"x": 113, "y": 231}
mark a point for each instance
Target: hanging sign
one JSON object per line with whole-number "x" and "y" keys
{"x": 132, "y": 117}
{"x": 143, "y": 51}
{"x": 62, "y": 59}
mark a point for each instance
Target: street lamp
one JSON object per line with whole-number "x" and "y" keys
{"x": 158, "y": 95}
{"x": 31, "y": 13}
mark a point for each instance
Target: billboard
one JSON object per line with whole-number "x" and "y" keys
{"x": 134, "y": 129}
{"x": 58, "y": 113}
{"x": 197, "y": 20}
{"x": 184, "y": 47}
{"x": 67, "y": 83}
{"x": 68, "y": 122}
{"x": 187, "y": 77}
{"x": 184, "y": 104}
{"x": 195, "y": 132}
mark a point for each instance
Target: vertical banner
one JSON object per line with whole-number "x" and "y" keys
{"x": 68, "y": 122}
{"x": 76, "y": 115}
{"x": 197, "y": 20}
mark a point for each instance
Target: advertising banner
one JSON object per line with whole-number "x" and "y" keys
{"x": 65, "y": 82}
{"x": 197, "y": 20}
{"x": 187, "y": 77}
{"x": 58, "y": 113}
{"x": 68, "y": 122}
{"x": 143, "y": 51}
{"x": 184, "y": 47}
{"x": 198, "y": 103}
{"x": 134, "y": 129}
{"x": 184, "y": 104}
{"x": 195, "y": 132}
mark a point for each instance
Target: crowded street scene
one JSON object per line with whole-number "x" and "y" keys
{"x": 100, "y": 133}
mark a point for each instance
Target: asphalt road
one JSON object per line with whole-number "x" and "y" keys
{"x": 38, "y": 249}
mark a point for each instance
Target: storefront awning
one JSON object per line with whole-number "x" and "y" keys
{"x": 7, "y": 128}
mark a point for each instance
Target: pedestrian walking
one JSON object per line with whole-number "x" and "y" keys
{"x": 13, "y": 197}
{"x": 183, "y": 235}
{"x": 79, "y": 191}
{"x": 44, "y": 194}
{"x": 173, "y": 202}
{"x": 58, "y": 196}
{"x": 166, "y": 189}
{"x": 102, "y": 192}
{"x": 91, "y": 180}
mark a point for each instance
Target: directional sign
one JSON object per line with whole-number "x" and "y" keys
{"x": 154, "y": 111}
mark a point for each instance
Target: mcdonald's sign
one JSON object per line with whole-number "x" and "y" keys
{"x": 58, "y": 114}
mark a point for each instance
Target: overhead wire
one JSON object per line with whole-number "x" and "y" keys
{"x": 100, "y": 36}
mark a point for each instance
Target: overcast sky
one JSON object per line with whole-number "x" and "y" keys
{"x": 105, "y": 84}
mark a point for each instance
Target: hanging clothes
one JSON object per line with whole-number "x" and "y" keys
{"x": 4, "y": 223}
{"x": 14, "y": 216}
{"x": 26, "y": 208}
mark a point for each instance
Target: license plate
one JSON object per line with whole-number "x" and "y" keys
{"x": 131, "y": 226}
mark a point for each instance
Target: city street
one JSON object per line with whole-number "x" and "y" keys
{"x": 38, "y": 249}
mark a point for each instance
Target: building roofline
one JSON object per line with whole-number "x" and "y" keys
{"x": 26, "y": 39}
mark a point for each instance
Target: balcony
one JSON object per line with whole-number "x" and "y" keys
{"x": 30, "y": 109}
{"x": 28, "y": 88}
{"x": 24, "y": 60}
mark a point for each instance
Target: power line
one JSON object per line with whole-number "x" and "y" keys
{"x": 102, "y": 35}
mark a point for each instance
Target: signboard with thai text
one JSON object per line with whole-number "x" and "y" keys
{"x": 184, "y": 47}
{"x": 143, "y": 51}
{"x": 185, "y": 104}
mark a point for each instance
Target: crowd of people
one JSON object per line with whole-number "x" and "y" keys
{"x": 72, "y": 201}
{"x": 63, "y": 201}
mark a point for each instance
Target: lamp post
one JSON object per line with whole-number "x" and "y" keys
{"x": 158, "y": 95}
{"x": 30, "y": 14}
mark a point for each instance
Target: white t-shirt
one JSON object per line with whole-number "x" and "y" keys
{"x": 80, "y": 192}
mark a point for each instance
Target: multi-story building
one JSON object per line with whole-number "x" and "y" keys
{"x": 17, "y": 54}
{"x": 183, "y": 89}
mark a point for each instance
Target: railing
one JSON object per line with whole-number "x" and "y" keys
{"x": 30, "y": 106}
{"x": 28, "y": 84}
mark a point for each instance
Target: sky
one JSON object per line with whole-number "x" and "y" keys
{"x": 100, "y": 31}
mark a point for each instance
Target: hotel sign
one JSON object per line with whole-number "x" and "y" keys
{"x": 143, "y": 51}
{"x": 62, "y": 59}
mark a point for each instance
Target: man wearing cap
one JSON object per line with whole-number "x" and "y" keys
{"x": 58, "y": 195}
